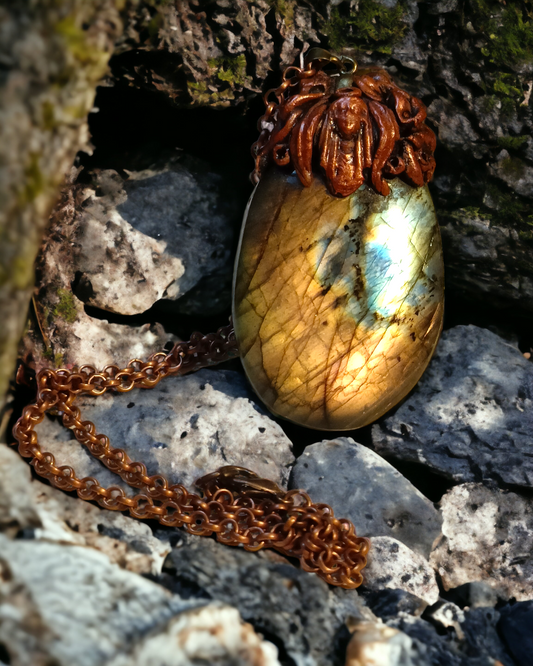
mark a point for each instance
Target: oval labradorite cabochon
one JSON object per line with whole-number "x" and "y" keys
{"x": 338, "y": 302}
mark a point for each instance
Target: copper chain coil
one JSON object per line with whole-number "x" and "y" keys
{"x": 235, "y": 504}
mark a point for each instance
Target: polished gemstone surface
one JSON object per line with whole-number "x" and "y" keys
{"x": 338, "y": 302}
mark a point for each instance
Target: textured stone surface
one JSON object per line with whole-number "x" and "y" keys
{"x": 209, "y": 635}
{"x": 127, "y": 542}
{"x": 516, "y": 628}
{"x": 469, "y": 418}
{"x": 59, "y": 331}
{"x": 227, "y": 52}
{"x": 338, "y": 302}
{"x": 91, "y": 341}
{"x": 294, "y": 609}
{"x": 515, "y": 173}
{"x": 361, "y": 486}
{"x": 472, "y": 642}
{"x": 387, "y": 604}
{"x": 448, "y": 615}
{"x": 476, "y": 594}
{"x": 161, "y": 232}
{"x": 487, "y": 536}
{"x": 122, "y": 244}
{"x": 379, "y": 645}
{"x": 36, "y": 510}
{"x": 17, "y": 510}
{"x": 69, "y": 605}
{"x": 486, "y": 259}
{"x": 391, "y": 565}
{"x": 183, "y": 428}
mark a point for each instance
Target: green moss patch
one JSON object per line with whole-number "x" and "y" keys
{"x": 507, "y": 29}
{"x": 201, "y": 95}
{"x": 34, "y": 180}
{"x": 512, "y": 142}
{"x": 285, "y": 9}
{"x": 66, "y": 308}
{"x": 230, "y": 70}
{"x": 512, "y": 210}
{"x": 371, "y": 26}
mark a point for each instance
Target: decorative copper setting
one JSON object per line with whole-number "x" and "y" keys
{"x": 358, "y": 128}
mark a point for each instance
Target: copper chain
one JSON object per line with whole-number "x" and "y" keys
{"x": 236, "y": 505}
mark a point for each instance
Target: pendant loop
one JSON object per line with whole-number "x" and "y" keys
{"x": 344, "y": 64}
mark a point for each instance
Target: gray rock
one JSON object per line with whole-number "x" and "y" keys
{"x": 476, "y": 594}
{"x": 213, "y": 635}
{"x": 120, "y": 267}
{"x": 487, "y": 536}
{"x": 475, "y": 632}
{"x": 302, "y": 615}
{"x": 448, "y": 615}
{"x": 516, "y": 629}
{"x": 121, "y": 245}
{"x": 183, "y": 428}
{"x": 455, "y": 130}
{"x": 96, "y": 342}
{"x": 476, "y": 643}
{"x": 388, "y": 603}
{"x": 60, "y": 333}
{"x": 68, "y": 605}
{"x": 36, "y": 510}
{"x": 515, "y": 173}
{"x": 470, "y": 417}
{"x": 483, "y": 637}
{"x": 361, "y": 486}
{"x": 127, "y": 542}
{"x": 391, "y": 565}
{"x": 529, "y": 149}
{"x": 155, "y": 235}
{"x": 487, "y": 261}
{"x": 17, "y": 509}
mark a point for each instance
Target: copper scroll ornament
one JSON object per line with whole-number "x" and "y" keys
{"x": 360, "y": 133}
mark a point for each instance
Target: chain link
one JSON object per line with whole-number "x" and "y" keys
{"x": 235, "y": 504}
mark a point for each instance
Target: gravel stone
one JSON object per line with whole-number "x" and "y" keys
{"x": 359, "y": 485}
{"x": 470, "y": 416}
{"x": 391, "y": 565}
{"x": 487, "y": 536}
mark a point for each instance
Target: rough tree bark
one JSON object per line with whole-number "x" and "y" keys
{"x": 52, "y": 57}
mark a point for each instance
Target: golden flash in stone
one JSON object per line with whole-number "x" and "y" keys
{"x": 338, "y": 302}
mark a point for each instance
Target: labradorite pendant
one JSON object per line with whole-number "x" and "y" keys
{"x": 338, "y": 293}
{"x": 338, "y": 303}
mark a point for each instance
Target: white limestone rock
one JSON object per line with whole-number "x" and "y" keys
{"x": 183, "y": 428}
{"x": 487, "y": 536}
{"x": 393, "y": 566}
{"x": 155, "y": 235}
